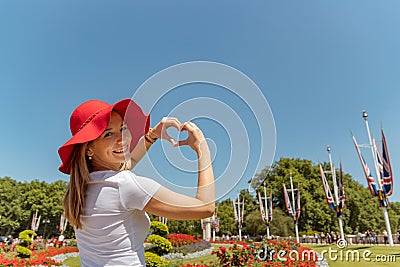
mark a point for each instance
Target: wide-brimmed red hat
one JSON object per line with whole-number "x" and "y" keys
{"x": 90, "y": 119}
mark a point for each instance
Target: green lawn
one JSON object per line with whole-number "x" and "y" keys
{"x": 359, "y": 256}
{"x": 74, "y": 262}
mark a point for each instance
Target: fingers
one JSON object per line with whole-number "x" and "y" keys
{"x": 160, "y": 130}
{"x": 170, "y": 122}
{"x": 194, "y": 133}
{"x": 188, "y": 125}
{"x": 167, "y": 122}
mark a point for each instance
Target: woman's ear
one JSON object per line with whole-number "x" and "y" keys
{"x": 89, "y": 152}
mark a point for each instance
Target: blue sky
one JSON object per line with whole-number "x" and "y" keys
{"x": 317, "y": 63}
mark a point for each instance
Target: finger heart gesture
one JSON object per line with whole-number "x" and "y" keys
{"x": 195, "y": 135}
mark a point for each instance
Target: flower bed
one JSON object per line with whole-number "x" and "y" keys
{"x": 178, "y": 240}
{"x": 38, "y": 258}
{"x": 187, "y": 246}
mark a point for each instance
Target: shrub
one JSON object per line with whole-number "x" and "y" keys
{"x": 159, "y": 229}
{"x": 23, "y": 252}
{"x": 238, "y": 256}
{"x": 153, "y": 260}
{"x": 26, "y": 238}
{"x": 161, "y": 245}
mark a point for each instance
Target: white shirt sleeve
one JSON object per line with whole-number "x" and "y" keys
{"x": 136, "y": 191}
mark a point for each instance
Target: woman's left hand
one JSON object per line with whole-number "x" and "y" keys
{"x": 160, "y": 130}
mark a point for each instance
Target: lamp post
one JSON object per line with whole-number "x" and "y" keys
{"x": 45, "y": 221}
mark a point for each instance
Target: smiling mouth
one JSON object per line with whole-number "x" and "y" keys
{"x": 121, "y": 151}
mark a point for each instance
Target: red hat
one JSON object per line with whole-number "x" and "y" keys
{"x": 90, "y": 119}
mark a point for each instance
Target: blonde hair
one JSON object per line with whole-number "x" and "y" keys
{"x": 74, "y": 198}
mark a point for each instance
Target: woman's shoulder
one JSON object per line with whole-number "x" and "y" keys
{"x": 126, "y": 177}
{"x": 112, "y": 176}
{"x": 102, "y": 175}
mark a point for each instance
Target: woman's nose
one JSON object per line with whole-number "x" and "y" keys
{"x": 119, "y": 137}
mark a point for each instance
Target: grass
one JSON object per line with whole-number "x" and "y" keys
{"x": 75, "y": 262}
{"x": 205, "y": 259}
{"x": 359, "y": 256}
{"x": 72, "y": 262}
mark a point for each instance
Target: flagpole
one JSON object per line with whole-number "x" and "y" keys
{"x": 374, "y": 154}
{"x": 294, "y": 210}
{"x": 239, "y": 219}
{"x": 335, "y": 189}
{"x": 213, "y": 218}
{"x": 266, "y": 210}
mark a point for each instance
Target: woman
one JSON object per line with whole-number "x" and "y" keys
{"x": 105, "y": 202}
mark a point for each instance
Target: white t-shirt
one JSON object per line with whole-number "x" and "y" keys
{"x": 114, "y": 224}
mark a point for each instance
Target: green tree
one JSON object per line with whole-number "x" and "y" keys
{"x": 361, "y": 212}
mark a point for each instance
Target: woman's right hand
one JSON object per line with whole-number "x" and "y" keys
{"x": 195, "y": 140}
{"x": 160, "y": 130}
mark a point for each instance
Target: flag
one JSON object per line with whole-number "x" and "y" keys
{"x": 298, "y": 203}
{"x": 242, "y": 219}
{"x": 35, "y": 222}
{"x": 217, "y": 225}
{"x": 327, "y": 191}
{"x": 385, "y": 173}
{"x": 287, "y": 202}
{"x": 387, "y": 168}
{"x": 379, "y": 162}
{"x": 235, "y": 212}
{"x": 342, "y": 197}
{"x": 270, "y": 208}
{"x": 370, "y": 179}
{"x": 382, "y": 198}
{"x": 263, "y": 217}
{"x": 63, "y": 223}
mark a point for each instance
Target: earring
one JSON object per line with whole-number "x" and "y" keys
{"x": 90, "y": 157}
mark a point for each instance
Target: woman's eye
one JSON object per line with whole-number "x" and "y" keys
{"x": 108, "y": 134}
{"x": 124, "y": 128}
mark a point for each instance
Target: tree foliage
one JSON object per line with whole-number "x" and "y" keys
{"x": 20, "y": 200}
{"x": 362, "y": 211}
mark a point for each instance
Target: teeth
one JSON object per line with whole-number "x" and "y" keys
{"x": 121, "y": 150}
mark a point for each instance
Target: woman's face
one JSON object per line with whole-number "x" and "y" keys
{"x": 112, "y": 147}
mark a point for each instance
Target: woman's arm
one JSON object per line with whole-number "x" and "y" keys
{"x": 167, "y": 203}
{"x": 139, "y": 151}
